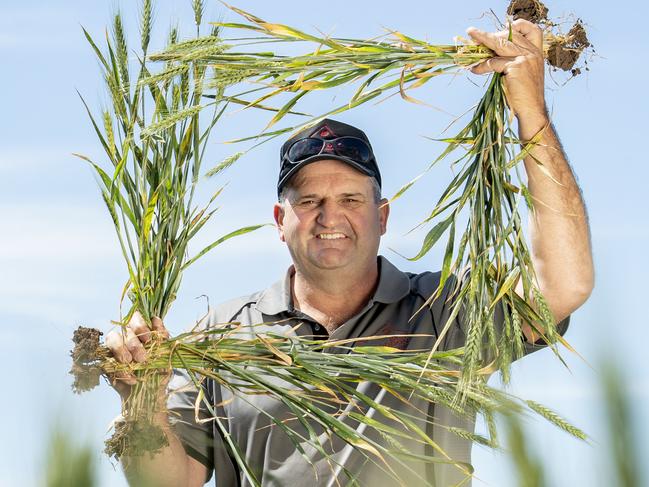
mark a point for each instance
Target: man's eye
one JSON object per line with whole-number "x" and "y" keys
{"x": 307, "y": 202}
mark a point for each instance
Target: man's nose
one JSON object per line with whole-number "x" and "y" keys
{"x": 329, "y": 214}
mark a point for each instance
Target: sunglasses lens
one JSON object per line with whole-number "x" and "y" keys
{"x": 304, "y": 148}
{"x": 354, "y": 149}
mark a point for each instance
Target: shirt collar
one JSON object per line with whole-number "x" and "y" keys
{"x": 277, "y": 298}
{"x": 393, "y": 286}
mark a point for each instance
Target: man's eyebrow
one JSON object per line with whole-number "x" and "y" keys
{"x": 341, "y": 195}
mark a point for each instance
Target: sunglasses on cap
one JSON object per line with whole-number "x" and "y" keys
{"x": 350, "y": 147}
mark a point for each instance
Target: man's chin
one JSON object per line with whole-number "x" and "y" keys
{"x": 331, "y": 265}
{"x": 332, "y": 259}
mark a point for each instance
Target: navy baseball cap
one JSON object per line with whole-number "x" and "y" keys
{"x": 328, "y": 139}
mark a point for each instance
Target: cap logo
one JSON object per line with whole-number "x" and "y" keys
{"x": 325, "y": 133}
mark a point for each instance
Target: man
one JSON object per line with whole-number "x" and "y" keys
{"x": 331, "y": 217}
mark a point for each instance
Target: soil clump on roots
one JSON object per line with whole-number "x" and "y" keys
{"x": 85, "y": 359}
{"x": 564, "y": 51}
{"x": 531, "y": 10}
{"x": 86, "y": 345}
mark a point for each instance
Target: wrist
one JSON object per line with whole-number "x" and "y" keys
{"x": 531, "y": 124}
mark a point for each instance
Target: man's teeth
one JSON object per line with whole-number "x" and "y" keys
{"x": 331, "y": 236}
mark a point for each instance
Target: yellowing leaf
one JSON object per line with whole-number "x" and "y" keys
{"x": 276, "y": 351}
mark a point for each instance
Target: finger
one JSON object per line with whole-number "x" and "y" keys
{"x": 139, "y": 327}
{"x": 123, "y": 378}
{"x": 522, "y": 35}
{"x": 115, "y": 343}
{"x": 530, "y": 31}
{"x": 521, "y": 41}
{"x": 504, "y": 42}
{"x": 134, "y": 346}
{"x": 497, "y": 42}
{"x": 493, "y": 65}
{"x": 158, "y": 325}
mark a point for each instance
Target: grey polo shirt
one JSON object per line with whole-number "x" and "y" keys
{"x": 268, "y": 449}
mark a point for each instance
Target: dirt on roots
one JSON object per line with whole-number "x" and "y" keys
{"x": 135, "y": 438}
{"x": 85, "y": 359}
{"x": 564, "y": 52}
{"x": 86, "y": 343}
{"x": 86, "y": 377}
{"x": 531, "y": 10}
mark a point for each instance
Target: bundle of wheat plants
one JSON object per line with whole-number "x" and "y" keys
{"x": 154, "y": 142}
{"x": 154, "y": 137}
{"x": 320, "y": 390}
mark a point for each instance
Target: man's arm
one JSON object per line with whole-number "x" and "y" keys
{"x": 170, "y": 467}
{"x": 560, "y": 237}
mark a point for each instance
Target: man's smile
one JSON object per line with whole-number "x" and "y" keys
{"x": 331, "y": 236}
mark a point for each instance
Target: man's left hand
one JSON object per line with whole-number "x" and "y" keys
{"x": 521, "y": 61}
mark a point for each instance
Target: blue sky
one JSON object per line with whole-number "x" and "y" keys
{"x": 61, "y": 267}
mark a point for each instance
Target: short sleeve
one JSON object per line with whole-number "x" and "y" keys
{"x": 528, "y": 347}
{"x": 455, "y": 335}
{"x": 540, "y": 344}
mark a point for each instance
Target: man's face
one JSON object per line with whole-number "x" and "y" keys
{"x": 330, "y": 219}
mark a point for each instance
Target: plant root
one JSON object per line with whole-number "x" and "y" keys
{"x": 134, "y": 438}
{"x": 564, "y": 51}
{"x": 561, "y": 51}
{"x": 85, "y": 359}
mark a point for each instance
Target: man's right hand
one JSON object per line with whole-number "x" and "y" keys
{"x": 127, "y": 345}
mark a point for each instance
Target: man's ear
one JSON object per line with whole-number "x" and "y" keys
{"x": 384, "y": 213}
{"x": 278, "y": 215}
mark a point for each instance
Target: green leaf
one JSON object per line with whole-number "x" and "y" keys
{"x": 285, "y": 109}
{"x": 506, "y": 286}
{"x": 148, "y": 216}
{"x": 375, "y": 349}
{"x": 448, "y": 258}
{"x": 433, "y": 236}
{"x": 236, "y": 233}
